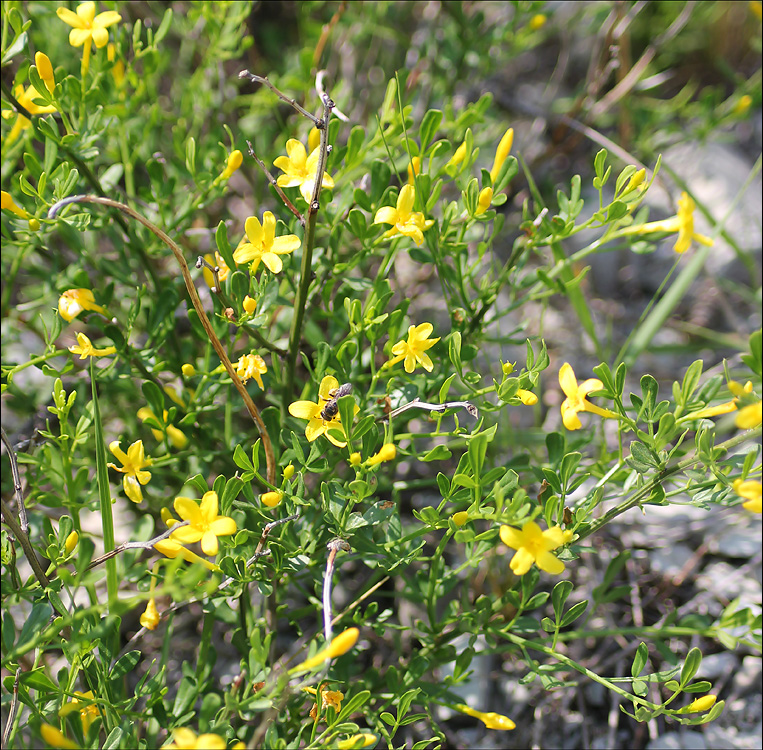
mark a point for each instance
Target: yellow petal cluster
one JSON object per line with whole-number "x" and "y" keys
{"x": 317, "y": 423}
{"x": 134, "y": 464}
{"x": 261, "y": 244}
{"x": 413, "y": 349}
{"x": 84, "y": 347}
{"x": 534, "y": 546}
{"x": 403, "y": 218}
{"x": 300, "y": 169}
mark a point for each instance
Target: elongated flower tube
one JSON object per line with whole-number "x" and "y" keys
{"x": 338, "y": 646}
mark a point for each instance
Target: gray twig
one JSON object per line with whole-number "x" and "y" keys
{"x": 23, "y": 521}
{"x": 417, "y": 403}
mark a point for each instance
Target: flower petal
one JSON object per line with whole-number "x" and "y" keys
{"x": 273, "y": 262}
{"x": 70, "y": 17}
{"x": 209, "y": 506}
{"x": 209, "y": 543}
{"x": 521, "y": 562}
{"x": 254, "y": 230}
{"x": 567, "y": 380}
{"x": 328, "y": 384}
{"x": 286, "y": 244}
{"x": 304, "y": 409}
{"x": 549, "y": 563}
{"x": 223, "y": 526}
{"x": 315, "y": 428}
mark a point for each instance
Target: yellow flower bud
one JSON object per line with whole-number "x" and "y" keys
{"x": 188, "y": 370}
{"x": 34, "y": 225}
{"x": 460, "y": 518}
{"x": 150, "y": 618}
{"x": 351, "y": 742}
{"x": 313, "y": 139}
{"x": 288, "y": 472}
{"x": 414, "y": 168}
{"x": 490, "y": 720}
{"x": 45, "y": 69}
{"x": 355, "y": 459}
{"x": 636, "y": 179}
{"x": 249, "y": 304}
{"x": 458, "y": 157}
{"x": 71, "y": 542}
{"x": 507, "y": 367}
{"x": 702, "y": 704}
{"x": 271, "y": 499}
{"x": 338, "y": 646}
{"x": 537, "y": 21}
{"x": 7, "y": 202}
{"x": 387, "y": 452}
{"x": 502, "y": 153}
{"x": 484, "y": 200}
{"x": 56, "y": 738}
{"x": 235, "y": 160}
{"x": 528, "y": 398}
{"x": 743, "y": 105}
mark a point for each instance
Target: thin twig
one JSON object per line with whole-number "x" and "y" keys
{"x": 333, "y": 547}
{"x": 226, "y": 303}
{"x": 283, "y": 97}
{"x": 306, "y": 269}
{"x": 417, "y": 403}
{"x": 13, "y": 708}
{"x": 135, "y": 545}
{"x": 320, "y": 90}
{"x": 23, "y": 521}
{"x": 193, "y": 294}
{"x": 272, "y": 180}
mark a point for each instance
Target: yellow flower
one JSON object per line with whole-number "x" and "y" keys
{"x": 751, "y": 492}
{"x": 299, "y": 169}
{"x": 88, "y": 28}
{"x": 8, "y": 204}
{"x": 176, "y": 436}
{"x": 700, "y": 705}
{"x": 329, "y": 699}
{"x": 45, "y": 69}
{"x": 84, "y": 347}
{"x": 576, "y": 398}
{"x": 271, "y": 499}
{"x": 502, "y": 153}
{"x": 56, "y": 738}
{"x": 386, "y": 453}
{"x": 188, "y": 370}
{"x": 413, "y": 351}
{"x": 73, "y": 301}
{"x": 172, "y": 549}
{"x": 206, "y": 525}
{"x": 483, "y": 201}
{"x": 235, "y": 160}
{"x": 249, "y": 304}
{"x": 318, "y": 424}
{"x": 71, "y": 542}
{"x": 261, "y": 244}
{"x": 414, "y": 168}
{"x": 338, "y": 646}
{"x": 222, "y": 268}
{"x": 460, "y": 518}
{"x": 357, "y": 741}
{"x": 25, "y": 98}
{"x": 150, "y": 618}
{"x": 186, "y": 739}
{"x": 458, "y": 156}
{"x": 534, "y": 546}
{"x": 683, "y": 223}
{"x": 133, "y": 467}
{"x": 403, "y": 218}
{"x": 88, "y": 714}
{"x": 490, "y": 720}
{"x": 251, "y": 366}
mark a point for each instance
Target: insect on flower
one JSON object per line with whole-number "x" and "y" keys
{"x": 332, "y": 407}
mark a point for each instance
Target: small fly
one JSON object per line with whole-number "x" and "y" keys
{"x": 331, "y": 409}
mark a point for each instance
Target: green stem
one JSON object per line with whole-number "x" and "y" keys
{"x": 102, "y": 474}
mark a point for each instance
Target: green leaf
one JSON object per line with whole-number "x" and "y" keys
{"x": 573, "y": 613}
{"x": 639, "y": 660}
{"x": 190, "y": 155}
{"x": 125, "y": 665}
{"x": 438, "y": 453}
{"x": 559, "y": 596}
{"x": 223, "y": 246}
{"x": 691, "y": 665}
{"x": 429, "y": 125}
